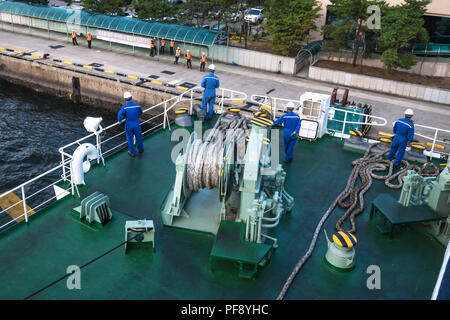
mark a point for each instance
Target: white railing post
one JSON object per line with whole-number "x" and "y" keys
{"x": 63, "y": 166}
{"x": 25, "y": 211}
{"x": 434, "y": 141}
{"x": 71, "y": 181}
{"x": 165, "y": 114}
{"x": 192, "y": 102}
{"x": 343, "y": 125}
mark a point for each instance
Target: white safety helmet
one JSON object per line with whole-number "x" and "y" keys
{"x": 188, "y": 51}
{"x": 290, "y": 105}
{"x": 409, "y": 112}
{"x": 127, "y": 95}
{"x": 203, "y": 53}
{"x": 178, "y": 47}
{"x": 212, "y": 67}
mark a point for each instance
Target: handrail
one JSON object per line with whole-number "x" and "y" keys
{"x": 345, "y": 122}
{"x": 360, "y": 114}
{"x": 272, "y": 102}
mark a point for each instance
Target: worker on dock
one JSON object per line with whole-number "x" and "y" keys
{"x": 172, "y": 44}
{"x": 291, "y": 122}
{"x": 210, "y": 82}
{"x": 177, "y": 55}
{"x": 74, "y": 38}
{"x": 152, "y": 47}
{"x": 161, "y": 48}
{"x": 188, "y": 59}
{"x": 404, "y": 132}
{"x": 131, "y": 112}
{"x": 203, "y": 62}
{"x": 89, "y": 39}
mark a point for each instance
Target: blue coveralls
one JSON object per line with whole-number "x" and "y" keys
{"x": 404, "y": 132}
{"x": 210, "y": 82}
{"x": 291, "y": 123}
{"x": 131, "y": 112}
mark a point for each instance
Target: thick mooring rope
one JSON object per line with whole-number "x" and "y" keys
{"x": 205, "y": 158}
{"x": 364, "y": 168}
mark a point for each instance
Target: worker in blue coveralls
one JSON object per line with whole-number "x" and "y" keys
{"x": 210, "y": 82}
{"x": 131, "y": 112}
{"x": 291, "y": 122}
{"x": 404, "y": 132}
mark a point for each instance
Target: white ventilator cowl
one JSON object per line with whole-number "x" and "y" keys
{"x": 212, "y": 67}
{"x": 126, "y": 95}
{"x": 290, "y": 105}
{"x": 409, "y": 112}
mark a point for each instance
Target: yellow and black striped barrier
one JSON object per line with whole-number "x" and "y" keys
{"x": 344, "y": 239}
{"x": 93, "y": 68}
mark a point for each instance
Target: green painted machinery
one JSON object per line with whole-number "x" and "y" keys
{"x": 434, "y": 191}
{"x": 231, "y": 175}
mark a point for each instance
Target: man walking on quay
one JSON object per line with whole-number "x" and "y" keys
{"x": 177, "y": 55}
{"x": 163, "y": 43}
{"x": 152, "y": 47}
{"x": 74, "y": 38}
{"x": 89, "y": 39}
{"x": 203, "y": 62}
{"x": 131, "y": 112}
{"x": 172, "y": 44}
{"x": 188, "y": 60}
{"x": 210, "y": 82}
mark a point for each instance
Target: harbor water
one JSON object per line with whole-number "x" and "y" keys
{"x": 33, "y": 126}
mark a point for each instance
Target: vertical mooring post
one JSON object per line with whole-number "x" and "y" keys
{"x": 75, "y": 96}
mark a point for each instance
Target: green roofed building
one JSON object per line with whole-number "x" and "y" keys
{"x": 58, "y": 23}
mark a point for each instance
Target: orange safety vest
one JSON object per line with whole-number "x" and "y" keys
{"x": 89, "y": 37}
{"x": 188, "y": 56}
{"x": 153, "y": 44}
{"x": 172, "y": 43}
{"x": 163, "y": 43}
{"x": 178, "y": 52}
{"x": 203, "y": 58}
{"x": 74, "y": 35}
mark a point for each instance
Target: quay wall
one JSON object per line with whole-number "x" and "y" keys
{"x": 402, "y": 89}
{"x": 94, "y": 90}
{"x": 426, "y": 66}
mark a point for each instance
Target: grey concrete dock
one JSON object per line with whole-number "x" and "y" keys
{"x": 232, "y": 77}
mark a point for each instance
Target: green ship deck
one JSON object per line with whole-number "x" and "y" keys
{"x": 38, "y": 253}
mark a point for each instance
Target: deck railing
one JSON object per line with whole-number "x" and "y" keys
{"x": 432, "y": 133}
{"x": 107, "y": 141}
{"x": 368, "y": 120}
{"x": 274, "y": 105}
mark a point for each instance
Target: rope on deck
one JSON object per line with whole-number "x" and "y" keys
{"x": 364, "y": 168}
{"x": 205, "y": 159}
{"x": 86, "y": 264}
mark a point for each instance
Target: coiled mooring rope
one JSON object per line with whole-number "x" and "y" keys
{"x": 205, "y": 158}
{"x": 364, "y": 168}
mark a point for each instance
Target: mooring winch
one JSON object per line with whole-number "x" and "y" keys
{"x": 231, "y": 175}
